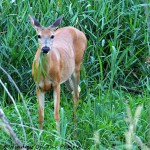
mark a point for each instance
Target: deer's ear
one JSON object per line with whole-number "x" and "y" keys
{"x": 35, "y": 23}
{"x": 57, "y": 22}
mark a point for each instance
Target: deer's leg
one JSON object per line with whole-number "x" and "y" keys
{"x": 76, "y": 87}
{"x": 69, "y": 84}
{"x": 56, "y": 95}
{"x": 76, "y": 90}
{"x": 41, "y": 98}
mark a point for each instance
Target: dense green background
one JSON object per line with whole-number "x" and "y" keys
{"x": 118, "y": 45}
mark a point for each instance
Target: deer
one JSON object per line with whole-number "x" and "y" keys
{"x": 57, "y": 60}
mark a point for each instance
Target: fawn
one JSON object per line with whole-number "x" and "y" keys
{"x": 56, "y": 61}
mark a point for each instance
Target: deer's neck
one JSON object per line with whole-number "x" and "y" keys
{"x": 44, "y": 64}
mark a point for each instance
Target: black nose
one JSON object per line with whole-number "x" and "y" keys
{"x": 45, "y": 49}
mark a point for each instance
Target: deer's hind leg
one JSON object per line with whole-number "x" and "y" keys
{"x": 76, "y": 87}
{"x": 69, "y": 84}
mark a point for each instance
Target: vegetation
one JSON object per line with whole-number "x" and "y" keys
{"x": 113, "y": 74}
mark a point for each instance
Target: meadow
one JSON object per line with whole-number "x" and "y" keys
{"x": 114, "y": 76}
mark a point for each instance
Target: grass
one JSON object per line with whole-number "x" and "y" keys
{"x": 114, "y": 63}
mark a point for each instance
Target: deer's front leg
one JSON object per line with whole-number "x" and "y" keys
{"x": 41, "y": 98}
{"x": 56, "y": 95}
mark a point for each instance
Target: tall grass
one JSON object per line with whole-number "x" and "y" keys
{"x": 114, "y": 63}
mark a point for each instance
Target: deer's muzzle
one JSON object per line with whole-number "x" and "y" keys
{"x": 45, "y": 49}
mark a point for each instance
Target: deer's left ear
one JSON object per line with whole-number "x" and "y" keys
{"x": 57, "y": 22}
{"x": 34, "y": 22}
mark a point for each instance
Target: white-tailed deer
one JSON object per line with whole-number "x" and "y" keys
{"x": 57, "y": 60}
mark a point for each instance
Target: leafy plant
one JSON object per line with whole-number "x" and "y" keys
{"x": 113, "y": 72}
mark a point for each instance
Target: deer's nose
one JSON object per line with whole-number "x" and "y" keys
{"x": 45, "y": 49}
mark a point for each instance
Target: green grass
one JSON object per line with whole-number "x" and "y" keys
{"x": 118, "y": 45}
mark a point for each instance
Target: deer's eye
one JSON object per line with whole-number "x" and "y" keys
{"x": 39, "y": 36}
{"x": 52, "y": 37}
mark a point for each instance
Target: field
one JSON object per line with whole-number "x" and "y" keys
{"x": 114, "y": 104}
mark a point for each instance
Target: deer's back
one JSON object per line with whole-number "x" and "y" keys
{"x": 70, "y": 43}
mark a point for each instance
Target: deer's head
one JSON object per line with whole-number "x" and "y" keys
{"x": 45, "y": 34}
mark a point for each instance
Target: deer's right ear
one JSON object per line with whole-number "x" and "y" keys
{"x": 34, "y": 22}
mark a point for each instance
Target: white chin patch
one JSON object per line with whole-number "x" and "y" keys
{"x": 48, "y": 53}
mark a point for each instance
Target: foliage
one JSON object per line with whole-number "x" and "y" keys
{"x": 114, "y": 62}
